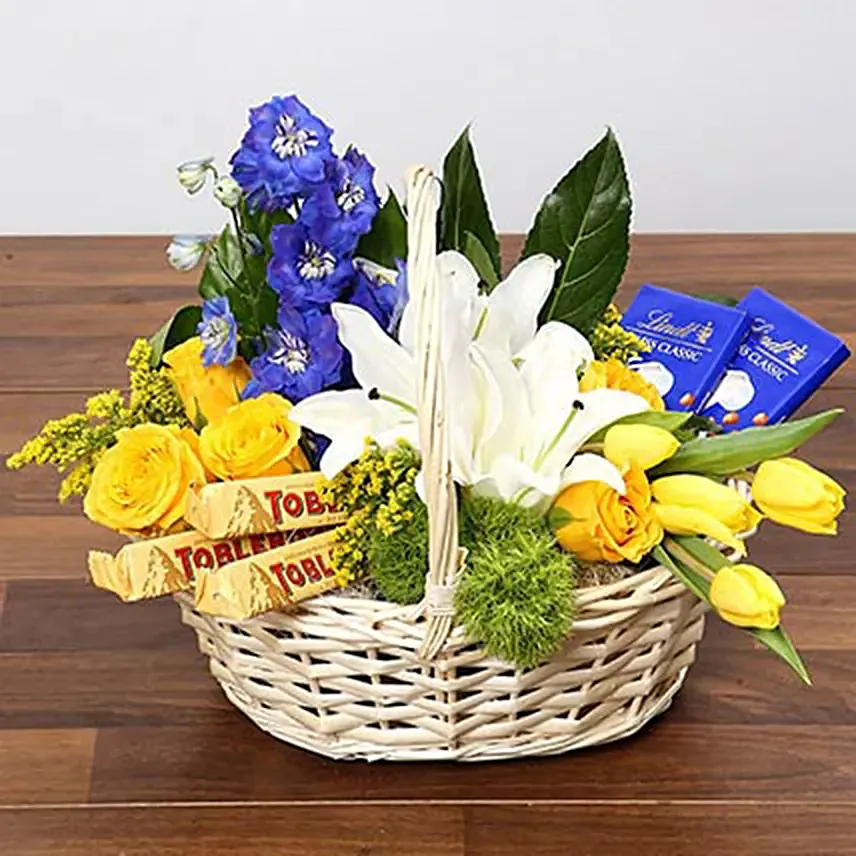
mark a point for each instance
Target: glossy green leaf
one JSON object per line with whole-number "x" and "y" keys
{"x": 474, "y": 250}
{"x": 464, "y": 208}
{"x": 585, "y": 222}
{"x": 223, "y": 268}
{"x": 179, "y": 328}
{"x": 668, "y": 420}
{"x": 731, "y": 453}
{"x": 673, "y": 555}
{"x": 261, "y": 223}
{"x": 386, "y": 241}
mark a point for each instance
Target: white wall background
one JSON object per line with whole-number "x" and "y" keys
{"x": 735, "y": 115}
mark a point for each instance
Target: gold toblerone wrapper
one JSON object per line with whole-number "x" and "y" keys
{"x": 250, "y": 506}
{"x": 269, "y": 581}
{"x": 159, "y": 566}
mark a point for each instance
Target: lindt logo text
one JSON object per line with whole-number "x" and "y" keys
{"x": 788, "y": 349}
{"x": 663, "y": 322}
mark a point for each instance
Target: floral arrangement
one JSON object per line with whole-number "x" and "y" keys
{"x": 299, "y": 358}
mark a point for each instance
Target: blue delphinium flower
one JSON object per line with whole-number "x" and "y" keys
{"x": 381, "y": 292}
{"x": 302, "y": 357}
{"x": 218, "y": 331}
{"x": 348, "y": 199}
{"x": 308, "y": 267}
{"x": 284, "y": 153}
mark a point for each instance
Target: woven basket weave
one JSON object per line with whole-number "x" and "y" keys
{"x": 350, "y": 677}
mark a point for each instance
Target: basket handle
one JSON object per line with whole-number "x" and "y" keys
{"x": 444, "y": 555}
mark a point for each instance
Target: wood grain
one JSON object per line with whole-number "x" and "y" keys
{"x": 114, "y": 739}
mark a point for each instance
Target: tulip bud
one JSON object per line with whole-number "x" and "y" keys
{"x": 185, "y": 251}
{"x": 793, "y": 493}
{"x": 192, "y": 174}
{"x": 746, "y": 596}
{"x": 717, "y": 500}
{"x": 642, "y": 445}
{"x": 227, "y": 191}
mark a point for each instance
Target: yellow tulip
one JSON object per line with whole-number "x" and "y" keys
{"x": 689, "y": 504}
{"x": 746, "y": 596}
{"x": 793, "y": 493}
{"x": 205, "y": 392}
{"x": 642, "y": 445}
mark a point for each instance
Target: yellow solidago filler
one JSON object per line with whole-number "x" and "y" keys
{"x": 746, "y": 596}
{"x": 75, "y": 443}
{"x": 642, "y": 445}
{"x": 377, "y": 491}
{"x": 253, "y": 439}
{"x": 688, "y": 504}
{"x": 613, "y": 374}
{"x": 793, "y": 493}
{"x": 610, "y": 339}
{"x": 207, "y": 393}
{"x": 140, "y": 485}
{"x": 597, "y": 524}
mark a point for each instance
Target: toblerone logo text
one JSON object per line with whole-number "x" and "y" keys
{"x": 296, "y": 504}
{"x": 296, "y": 574}
{"x": 218, "y": 553}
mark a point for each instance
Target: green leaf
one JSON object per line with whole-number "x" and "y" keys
{"x": 713, "y": 297}
{"x": 474, "y": 250}
{"x": 776, "y": 640}
{"x": 267, "y": 307}
{"x": 465, "y": 207}
{"x": 585, "y": 222}
{"x": 557, "y": 518}
{"x": 224, "y": 267}
{"x": 179, "y": 328}
{"x": 386, "y": 241}
{"x": 730, "y": 453}
{"x": 668, "y": 420}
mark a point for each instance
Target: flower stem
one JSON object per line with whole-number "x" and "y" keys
{"x": 239, "y": 235}
{"x": 686, "y": 558}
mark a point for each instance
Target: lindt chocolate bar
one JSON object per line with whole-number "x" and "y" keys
{"x": 272, "y": 580}
{"x": 276, "y": 504}
{"x": 784, "y": 359}
{"x": 159, "y": 566}
{"x": 691, "y": 341}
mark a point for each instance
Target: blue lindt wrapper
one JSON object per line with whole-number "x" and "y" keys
{"x": 692, "y": 341}
{"x": 784, "y": 359}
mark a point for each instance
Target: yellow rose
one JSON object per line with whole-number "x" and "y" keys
{"x": 206, "y": 392}
{"x": 253, "y": 439}
{"x": 643, "y": 445}
{"x": 694, "y": 505}
{"x": 139, "y": 486}
{"x": 794, "y": 493}
{"x": 598, "y": 524}
{"x": 747, "y": 597}
{"x": 613, "y": 374}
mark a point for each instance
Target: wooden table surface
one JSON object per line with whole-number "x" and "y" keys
{"x": 115, "y": 740}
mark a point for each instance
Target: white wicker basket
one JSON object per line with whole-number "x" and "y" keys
{"x": 350, "y": 677}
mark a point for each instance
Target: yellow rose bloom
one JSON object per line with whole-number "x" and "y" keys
{"x": 205, "y": 392}
{"x": 745, "y": 596}
{"x": 793, "y": 493}
{"x": 596, "y": 523}
{"x": 613, "y": 374}
{"x": 690, "y": 504}
{"x": 140, "y": 485}
{"x": 643, "y": 445}
{"x": 253, "y": 439}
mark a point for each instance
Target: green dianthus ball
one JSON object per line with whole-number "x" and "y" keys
{"x": 399, "y": 562}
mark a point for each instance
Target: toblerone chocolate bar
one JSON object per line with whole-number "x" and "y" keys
{"x": 269, "y": 581}
{"x": 251, "y": 506}
{"x": 159, "y": 566}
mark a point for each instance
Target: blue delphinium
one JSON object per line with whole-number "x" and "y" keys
{"x": 218, "y": 330}
{"x": 303, "y": 356}
{"x": 347, "y": 202}
{"x": 309, "y": 268}
{"x": 284, "y": 154}
{"x": 381, "y": 292}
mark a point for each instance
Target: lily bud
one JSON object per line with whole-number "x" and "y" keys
{"x": 185, "y": 251}
{"x": 794, "y": 493}
{"x": 193, "y": 174}
{"x": 642, "y": 445}
{"x": 227, "y": 191}
{"x": 746, "y": 596}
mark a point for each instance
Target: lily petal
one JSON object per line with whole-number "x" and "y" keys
{"x": 590, "y": 467}
{"x": 379, "y": 362}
